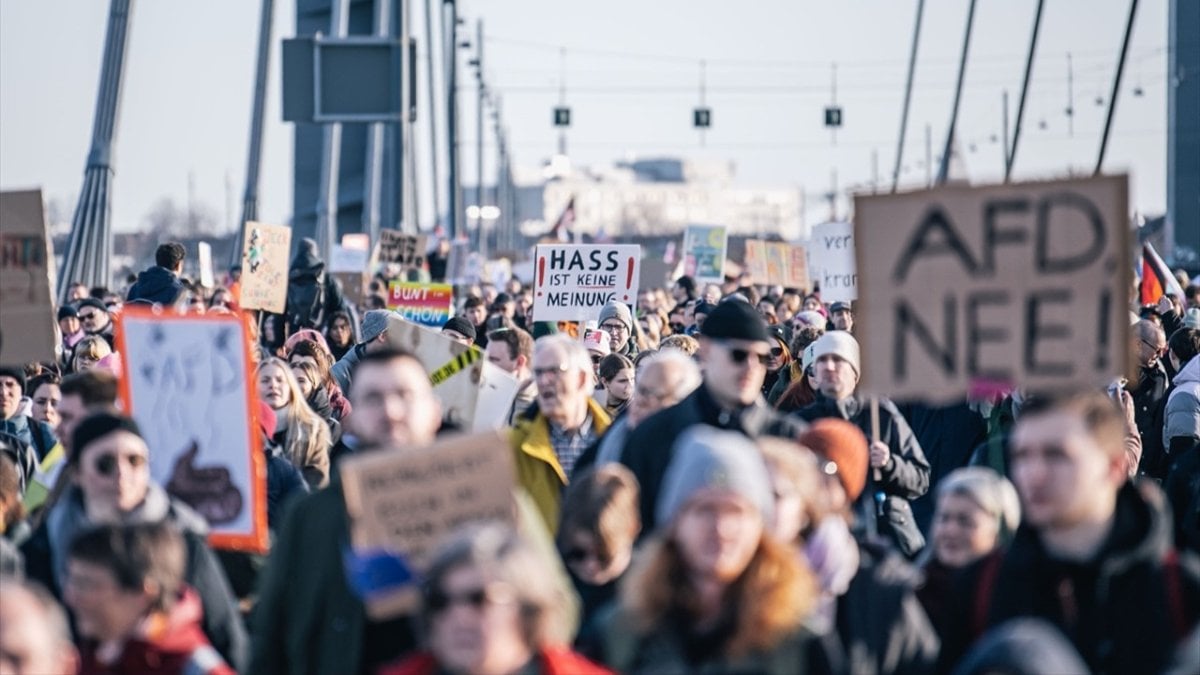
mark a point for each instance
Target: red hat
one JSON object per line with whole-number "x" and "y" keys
{"x": 842, "y": 443}
{"x": 266, "y": 419}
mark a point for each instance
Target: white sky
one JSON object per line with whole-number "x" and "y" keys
{"x": 633, "y": 75}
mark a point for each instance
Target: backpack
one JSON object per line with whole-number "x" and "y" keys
{"x": 305, "y": 305}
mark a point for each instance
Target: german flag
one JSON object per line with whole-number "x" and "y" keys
{"x": 1157, "y": 279}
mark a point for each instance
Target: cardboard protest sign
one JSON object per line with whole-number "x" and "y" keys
{"x": 454, "y": 368}
{"x": 778, "y": 258}
{"x": 704, "y": 253}
{"x": 797, "y": 268}
{"x": 204, "y": 261}
{"x": 189, "y": 382}
{"x": 26, "y": 266}
{"x": 497, "y": 389}
{"x": 831, "y": 261}
{"x": 403, "y": 502}
{"x": 406, "y": 250}
{"x": 573, "y": 282}
{"x": 265, "y": 267}
{"x": 970, "y": 290}
{"x": 755, "y": 262}
{"x": 426, "y": 304}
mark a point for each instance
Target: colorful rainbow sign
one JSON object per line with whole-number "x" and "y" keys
{"x": 426, "y": 304}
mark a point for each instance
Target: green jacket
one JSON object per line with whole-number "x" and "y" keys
{"x": 538, "y": 470}
{"x": 307, "y": 619}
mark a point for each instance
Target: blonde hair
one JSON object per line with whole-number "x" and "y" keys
{"x": 989, "y": 491}
{"x": 93, "y": 346}
{"x": 684, "y": 343}
{"x": 307, "y": 440}
{"x": 772, "y": 597}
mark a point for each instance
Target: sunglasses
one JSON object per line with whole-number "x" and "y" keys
{"x": 88, "y": 316}
{"x": 777, "y": 352}
{"x": 438, "y": 600}
{"x": 106, "y": 465}
{"x": 740, "y": 356}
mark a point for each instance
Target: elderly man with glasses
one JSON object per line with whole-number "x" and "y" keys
{"x": 1149, "y": 346}
{"x": 735, "y": 349}
{"x": 551, "y": 436}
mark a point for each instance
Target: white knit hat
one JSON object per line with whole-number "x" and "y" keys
{"x": 837, "y": 342}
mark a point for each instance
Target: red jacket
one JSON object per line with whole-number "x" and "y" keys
{"x": 553, "y": 661}
{"x": 168, "y": 644}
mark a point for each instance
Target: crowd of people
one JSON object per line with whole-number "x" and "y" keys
{"x": 700, "y": 486}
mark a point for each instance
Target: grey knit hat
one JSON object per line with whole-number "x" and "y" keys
{"x": 619, "y": 310}
{"x": 374, "y": 322}
{"x": 706, "y": 457}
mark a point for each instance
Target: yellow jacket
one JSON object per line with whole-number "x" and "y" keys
{"x": 538, "y": 470}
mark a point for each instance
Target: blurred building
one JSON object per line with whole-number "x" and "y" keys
{"x": 655, "y": 197}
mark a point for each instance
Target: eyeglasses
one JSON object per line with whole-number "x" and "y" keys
{"x": 553, "y": 370}
{"x": 777, "y": 352}
{"x": 740, "y": 356}
{"x": 1157, "y": 350}
{"x": 106, "y": 465}
{"x": 614, "y": 327}
{"x": 438, "y": 600}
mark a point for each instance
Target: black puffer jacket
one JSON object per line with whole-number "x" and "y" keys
{"x": 1125, "y": 610}
{"x": 312, "y": 295}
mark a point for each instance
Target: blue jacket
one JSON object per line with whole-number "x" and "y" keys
{"x": 156, "y": 285}
{"x": 37, "y": 435}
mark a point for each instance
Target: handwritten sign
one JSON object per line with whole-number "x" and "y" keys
{"x": 188, "y": 382}
{"x": 797, "y": 268}
{"x": 426, "y": 304}
{"x": 406, "y": 250}
{"x": 756, "y": 261}
{"x": 973, "y": 289}
{"x": 265, "y": 266}
{"x": 831, "y": 261}
{"x": 574, "y": 282}
{"x": 403, "y": 502}
{"x": 704, "y": 253}
{"x": 343, "y": 259}
{"x": 26, "y": 266}
{"x": 778, "y": 258}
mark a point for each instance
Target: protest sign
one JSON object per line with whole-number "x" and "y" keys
{"x": 797, "y": 268}
{"x": 497, "y": 389}
{"x": 704, "y": 253}
{"x": 426, "y": 304}
{"x": 353, "y": 286}
{"x": 188, "y": 382}
{"x": 403, "y": 502}
{"x": 358, "y": 241}
{"x": 343, "y": 259}
{"x": 755, "y": 262}
{"x": 204, "y": 261}
{"x": 573, "y": 282}
{"x": 265, "y": 267}
{"x": 831, "y": 261}
{"x": 972, "y": 290}
{"x": 26, "y": 267}
{"x": 778, "y": 258}
{"x": 455, "y": 369}
{"x": 406, "y": 250}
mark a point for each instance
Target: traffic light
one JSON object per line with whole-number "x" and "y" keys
{"x": 702, "y": 118}
{"x": 833, "y": 116}
{"x": 562, "y": 117}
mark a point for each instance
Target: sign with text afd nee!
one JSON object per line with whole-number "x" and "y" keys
{"x": 265, "y": 267}
{"x": 574, "y": 282}
{"x": 26, "y": 262}
{"x": 966, "y": 290}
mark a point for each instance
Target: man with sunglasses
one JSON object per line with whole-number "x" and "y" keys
{"x": 735, "y": 349}
{"x": 899, "y": 469}
{"x": 112, "y": 485}
{"x": 1148, "y": 390}
{"x": 94, "y": 317}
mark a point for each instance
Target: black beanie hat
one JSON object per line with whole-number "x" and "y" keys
{"x": 95, "y": 426}
{"x": 67, "y": 311}
{"x": 464, "y": 327}
{"x": 736, "y": 321}
{"x": 93, "y": 303}
{"x": 17, "y": 373}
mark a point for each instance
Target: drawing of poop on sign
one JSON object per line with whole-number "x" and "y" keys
{"x": 208, "y": 490}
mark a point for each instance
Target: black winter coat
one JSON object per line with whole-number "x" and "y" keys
{"x": 155, "y": 285}
{"x": 905, "y": 477}
{"x": 650, "y": 447}
{"x": 1122, "y": 610}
